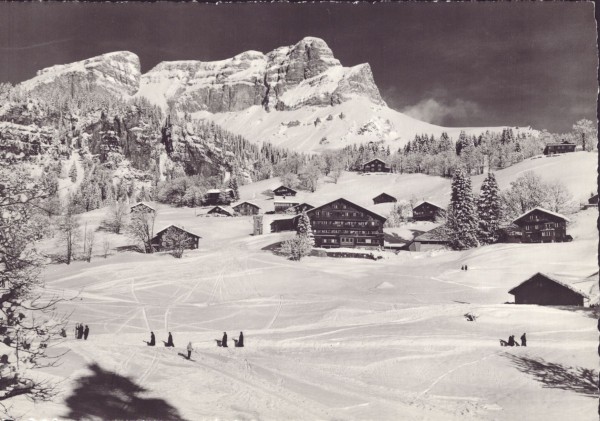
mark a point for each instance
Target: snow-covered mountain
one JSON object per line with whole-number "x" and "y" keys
{"x": 298, "y": 96}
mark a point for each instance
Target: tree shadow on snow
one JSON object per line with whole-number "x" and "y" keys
{"x": 556, "y": 376}
{"x": 109, "y": 396}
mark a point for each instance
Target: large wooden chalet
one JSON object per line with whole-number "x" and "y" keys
{"x": 342, "y": 223}
{"x": 545, "y": 290}
{"x": 375, "y": 165}
{"x": 160, "y": 242}
{"x": 555, "y": 148}
{"x": 384, "y": 198}
{"x": 428, "y": 211}
{"x": 284, "y": 191}
{"x": 247, "y": 208}
{"x": 542, "y": 226}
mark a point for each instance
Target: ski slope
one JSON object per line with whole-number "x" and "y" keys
{"x": 328, "y": 338}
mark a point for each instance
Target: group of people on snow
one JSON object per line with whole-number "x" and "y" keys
{"x": 511, "y": 341}
{"x": 239, "y": 343}
{"x": 464, "y": 267}
{"x": 81, "y": 332}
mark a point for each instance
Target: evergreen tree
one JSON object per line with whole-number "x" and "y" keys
{"x": 304, "y": 228}
{"x": 488, "y": 210}
{"x": 462, "y": 216}
{"x": 73, "y": 172}
{"x": 233, "y": 185}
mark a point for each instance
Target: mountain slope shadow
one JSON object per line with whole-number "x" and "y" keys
{"x": 109, "y": 396}
{"x": 556, "y": 376}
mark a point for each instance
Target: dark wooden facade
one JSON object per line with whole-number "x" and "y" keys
{"x": 342, "y": 223}
{"x": 287, "y": 224}
{"x": 247, "y": 208}
{"x": 384, "y": 198}
{"x": 427, "y": 211}
{"x": 554, "y": 148}
{"x": 542, "y": 226}
{"x": 142, "y": 208}
{"x": 375, "y": 165}
{"x": 218, "y": 197}
{"x": 159, "y": 242}
{"x": 544, "y": 290}
{"x": 220, "y": 211}
{"x": 593, "y": 200}
{"x": 284, "y": 191}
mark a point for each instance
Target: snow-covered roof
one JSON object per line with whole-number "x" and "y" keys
{"x": 553, "y": 279}
{"x": 286, "y": 201}
{"x": 227, "y": 209}
{"x": 142, "y": 203}
{"x": 438, "y": 235}
{"x": 375, "y": 159}
{"x": 431, "y": 203}
{"x": 384, "y": 194}
{"x": 176, "y": 226}
{"x": 213, "y": 191}
{"x": 246, "y": 201}
{"x": 558, "y": 215}
{"x": 281, "y": 186}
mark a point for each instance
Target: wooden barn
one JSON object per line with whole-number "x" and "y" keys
{"x": 545, "y": 290}
{"x": 342, "y": 223}
{"x": 375, "y": 165}
{"x": 436, "y": 239}
{"x": 247, "y": 208}
{"x": 384, "y": 198}
{"x": 218, "y": 197}
{"x": 142, "y": 208}
{"x": 302, "y": 207}
{"x": 221, "y": 211}
{"x": 542, "y": 226}
{"x": 555, "y": 148}
{"x": 428, "y": 211}
{"x": 281, "y": 206}
{"x": 285, "y": 224}
{"x": 159, "y": 242}
{"x": 284, "y": 191}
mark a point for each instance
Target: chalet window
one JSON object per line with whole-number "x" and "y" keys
{"x": 368, "y": 240}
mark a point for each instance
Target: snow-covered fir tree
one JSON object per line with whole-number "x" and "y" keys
{"x": 488, "y": 210}
{"x": 462, "y": 215}
{"x": 304, "y": 228}
{"x": 233, "y": 185}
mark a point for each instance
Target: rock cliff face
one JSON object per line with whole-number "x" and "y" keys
{"x": 286, "y": 78}
{"x": 115, "y": 73}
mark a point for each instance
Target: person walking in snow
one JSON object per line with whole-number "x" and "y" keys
{"x": 80, "y": 331}
{"x": 86, "y": 332}
{"x": 224, "y": 340}
{"x": 523, "y": 340}
{"x": 77, "y": 331}
{"x": 169, "y": 342}
{"x": 511, "y": 340}
{"x": 152, "y": 340}
{"x": 63, "y": 333}
{"x": 240, "y": 342}
{"x": 189, "y": 350}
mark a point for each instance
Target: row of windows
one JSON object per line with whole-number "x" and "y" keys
{"x": 547, "y": 233}
{"x": 347, "y": 213}
{"x": 346, "y": 223}
{"x": 351, "y": 232}
{"x": 346, "y": 240}
{"x": 547, "y": 225}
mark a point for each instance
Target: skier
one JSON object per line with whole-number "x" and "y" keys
{"x": 189, "y": 350}
{"x": 240, "y": 342}
{"x": 523, "y": 340}
{"x": 224, "y": 340}
{"x": 511, "y": 340}
{"x": 462, "y": 267}
{"x": 80, "y": 331}
{"x": 152, "y": 340}
{"x": 466, "y": 267}
{"x": 86, "y": 332}
{"x": 169, "y": 342}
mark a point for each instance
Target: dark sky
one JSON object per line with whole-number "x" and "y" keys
{"x": 457, "y": 64}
